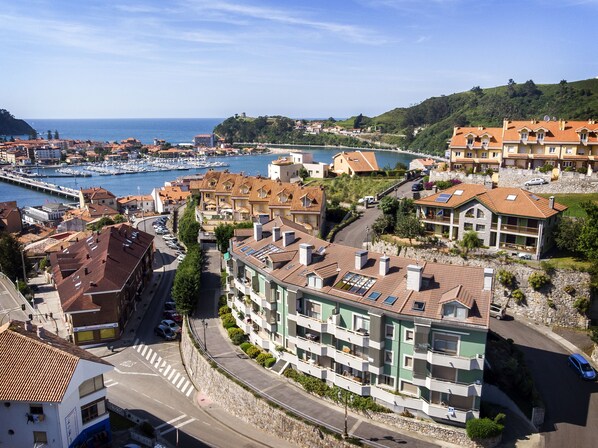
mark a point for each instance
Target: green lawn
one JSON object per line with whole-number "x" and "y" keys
{"x": 350, "y": 189}
{"x": 573, "y": 201}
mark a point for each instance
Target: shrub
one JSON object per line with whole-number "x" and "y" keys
{"x": 262, "y": 357}
{"x": 269, "y": 362}
{"x": 483, "y": 428}
{"x": 546, "y": 168}
{"x": 236, "y": 335}
{"x": 582, "y": 170}
{"x": 569, "y": 289}
{"x": 228, "y": 321}
{"x": 582, "y": 304}
{"x": 538, "y": 279}
{"x": 291, "y": 374}
{"x": 518, "y": 296}
{"x": 505, "y": 278}
{"x": 245, "y": 346}
{"x": 406, "y": 413}
{"x": 221, "y": 300}
{"x": 223, "y": 310}
{"x": 547, "y": 267}
{"x": 253, "y": 352}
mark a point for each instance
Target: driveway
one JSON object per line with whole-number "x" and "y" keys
{"x": 358, "y": 232}
{"x": 571, "y": 404}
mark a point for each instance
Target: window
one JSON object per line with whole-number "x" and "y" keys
{"x": 583, "y": 137}
{"x": 36, "y": 409}
{"x": 481, "y": 214}
{"x": 568, "y": 150}
{"x": 107, "y": 333}
{"x": 468, "y": 226}
{"x": 494, "y": 155}
{"x": 524, "y": 135}
{"x": 454, "y": 310}
{"x": 313, "y": 309}
{"x": 91, "y": 385}
{"x": 361, "y": 323}
{"x": 484, "y": 155}
{"x": 386, "y": 380}
{"x": 469, "y": 213}
{"x": 469, "y": 141}
{"x": 40, "y": 437}
{"x": 93, "y": 410}
{"x": 84, "y": 336}
{"x": 458, "y": 154}
{"x": 409, "y": 388}
{"x": 567, "y": 163}
{"x": 390, "y": 331}
{"x": 387, "y": 357}
{"x": 469, "y": 155}
{"x": 409, "y": 336}
{"x": 446, "y": 343}
{"x": 551, "y": 150}
{"x": 540, "y": 136}
{"x": 408, "y": 362}
{"x": 480, "y": 228}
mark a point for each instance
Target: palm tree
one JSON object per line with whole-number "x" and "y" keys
{"x": 471, "y": 241}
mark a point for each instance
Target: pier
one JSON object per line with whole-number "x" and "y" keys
{"x": 38, "y": 185}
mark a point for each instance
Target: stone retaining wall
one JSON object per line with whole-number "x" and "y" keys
{"x": 536, "y": 306}
{"x": 253, "y": 410}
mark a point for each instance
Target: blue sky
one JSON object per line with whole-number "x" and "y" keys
{"x": 195, "y": 58}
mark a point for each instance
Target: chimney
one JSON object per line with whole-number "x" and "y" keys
{"x": 40, "y": 332}
{"x": 288, "y": 238}
{"x": 551, "y": 202}
{"x": 305, "y": 254}
{"x": 86, "y": 271}
{"x": 414, "y": 277}
{"x": 488, "y": 277}
{"x": 275, "y": 234}
{"x": 361, "y": 257}
{"x": 257, "y": 231}
{"x": 384, "y": 264}
{"x": 505, "y": 124}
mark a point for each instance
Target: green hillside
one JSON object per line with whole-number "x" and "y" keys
{"x": 428, "y": 125}
{"x": 9, "y": 125}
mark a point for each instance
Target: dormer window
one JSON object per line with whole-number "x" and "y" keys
{"x": 524, "y": 135}
{"x": 454, "y": 310}
{"x": 244, "y": 189}
{"x": 228, "y": 186}
{"x": 583, "y": 137}
{"x": 540, "y": 136}
{"x": 313, "y": 281}
{"x": 261, "y": 193}
{"x": 470, "y": 140}
{"x": 306, "y": 201}
{"x": 282, "y": 197}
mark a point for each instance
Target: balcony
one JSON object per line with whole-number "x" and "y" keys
{"x": 448, "y": 387}
{"x": 256, "y": 297}
{"x": 314, "y": 347}
{"x": 424, "y": 351}
{"x": 446, "y": 412}
{"x": 243, "y": 286}
{"x": 518, "y": 247}
{"x": 257, "y": 319}
{"x": 516, "y": 229}
{"x": 349, "y": 360}
{"x": 360, "y": 337}
{"x": 268, "y": 304}
{"x": 441, "y": 219}
{"x": 312, "y": 369}
{"x": 352, "y": 384}
{"x": 311, "y": 323}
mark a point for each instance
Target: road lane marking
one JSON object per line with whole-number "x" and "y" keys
{"x": 180, "y": 425}
{"x": 170, "y": 422}
{"x": 110, "y": 383}
{"x": 135, "y": 373}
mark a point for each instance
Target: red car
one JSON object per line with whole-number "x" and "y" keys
{"x": 173, "y": 316}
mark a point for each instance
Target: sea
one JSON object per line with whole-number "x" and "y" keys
{"x": 173, "y": 130}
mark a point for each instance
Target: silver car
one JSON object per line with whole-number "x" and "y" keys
{"x": 535, "y": 181}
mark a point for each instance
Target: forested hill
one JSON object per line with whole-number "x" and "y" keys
{"x": 9, "y": 125}
{"x": 427, "y": 126}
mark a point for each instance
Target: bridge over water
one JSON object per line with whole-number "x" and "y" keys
{"x": 34, "y": 184}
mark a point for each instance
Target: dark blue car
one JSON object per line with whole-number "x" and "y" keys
{"x": 582, "y": 367}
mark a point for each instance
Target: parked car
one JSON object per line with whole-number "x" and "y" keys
{"x": 535, "y": 181}
{"x": 417, "y": 186}
{"x": 171, "y": 324}
{"x": 173, "y": 315}
{"x": 169, "y": 306}
{"x": 581, "y": 366}
{"x": 524, "y": 256}
{"x": 180, "y": 257}
{"x": 367, "y": 200}
{"x": 165, "y": 332}
{"x": 497, "y": 311}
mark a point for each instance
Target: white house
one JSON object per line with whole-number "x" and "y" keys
{"x": 52, "y": 391}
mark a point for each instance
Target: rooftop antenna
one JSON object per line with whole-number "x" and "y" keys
{"x": 546, "y": 117}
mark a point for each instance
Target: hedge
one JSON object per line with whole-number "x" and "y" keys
{"x": 253, "y": 351}
{"x": 485, "y": 428}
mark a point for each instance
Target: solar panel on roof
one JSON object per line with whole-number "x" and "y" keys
{"x": 249, "y": 252}
{"x": 245, "y": 249}
{"x": 534, "y": 197}
{"x": 355, "y": 283}
{"x": 444, "y": 198}
{"x": 390, "y": 300}
{"x": 374, "y": 296}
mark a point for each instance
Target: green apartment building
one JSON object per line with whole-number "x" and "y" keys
{"x": 410, "y": 334}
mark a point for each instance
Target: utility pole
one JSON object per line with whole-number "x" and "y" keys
{"x": 205, "y": 341}
{"x": 23, "y": 263}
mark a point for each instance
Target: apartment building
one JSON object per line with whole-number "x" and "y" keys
{"x": 526, "y": 144}
{"x": 53, "y": 392}
{"x": 411, "y": 335}
{"x": 169, "y": 198}
{"x": 243, "y": 197}
{"x": 98, "y": 280}
{"x": 97, "y": 196}
{"x": 510, "y": 219}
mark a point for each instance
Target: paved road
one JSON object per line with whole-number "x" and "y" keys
{"x": 275, "y": 387}
{"x": 10, "y": 303}
{"x": 571, "y": 404}
{"x": 354, "y": 234}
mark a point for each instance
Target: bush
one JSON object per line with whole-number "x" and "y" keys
{"x": 253, "y": 352}
{"x": 221, "y": 300}
{"x": 228, "y": 321}
{"x": 518, "y": 296}
{"x": 582, "y": 305}
{"x": 537, "y": 280}
{"x": 262, "y": 357}
{"x": 236, "y": 335}
{"x": 269, "y": 362}
{"x": 223, "y": 310}
{"x": 245, "y": 346}
{"x": 505, "y": 278}
{"x": 546, "y": 168}
{"x": 483, "y": 428}
{"x": 547, "y": 267}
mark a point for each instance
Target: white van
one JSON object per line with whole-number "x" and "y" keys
{"x": 367, "y": 200}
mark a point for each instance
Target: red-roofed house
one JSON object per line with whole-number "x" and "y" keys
{"x": 10, "y": 217}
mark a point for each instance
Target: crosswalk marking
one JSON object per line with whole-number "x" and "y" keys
{"x": 185, "y": 387}
{"x": 171, "y": 374}
{"x": 144, "y": 349}
{"x": 182, "y": 380}
{"x": 166, "y": 370}
{"x": 158, "y": 361}
{"x": 189, "y": 391}
{"x": 153, "y": 358}
{"x": 135, "y": 343}
{"x": 110, "y": 383}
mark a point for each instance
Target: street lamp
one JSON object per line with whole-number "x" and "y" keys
{"x": 205, "y": 342}
{"x": 367, "y": 234}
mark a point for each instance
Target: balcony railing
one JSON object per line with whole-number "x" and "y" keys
{"x": 311, "y": 368}
{"x": 311, "y": 323}
{"x": 243, "y": 286}
{"x": 352, "y": 384}
{"x": 516, "y": 229}
{"x": 518, "y": 247}
{"x": 437, "y": 358}
{"x": 447, "y": 412}
{"x": 314, "y": 347}
{"x": 359, "y": 337}
{"x": 441, "y": 218}
{"x": 449, "y": 387}
{"x": 347, "y": 359}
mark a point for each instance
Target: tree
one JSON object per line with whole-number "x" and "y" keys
{"x": 389, "y": 205}
{"x": 49, "y": 135}
{"x": 101, "y": 223}
{"x": 588, "y": 238}
{"x": 56, "y": 135}
{"x": 10, "y": 257}
{"x": 568, "y": 233}
{"x": 384, "y": 224}
{"x": 224, "y": 232}
{"x": 471, "y": 241}
{"x": 408, "y": 226}
{"x": 118, "y": 219}
{"x": 303, "y": 173}
{"x": 187, "y": 281}
{"x": 358, "y": 121}
{"x": 511, "y": 89}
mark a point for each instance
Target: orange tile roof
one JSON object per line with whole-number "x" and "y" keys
{"x": 460, "y": 134}
{"x": 359, "y": 161}
{"x": 37, "y": 370}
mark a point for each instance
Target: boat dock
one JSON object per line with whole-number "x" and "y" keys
{"x": 38, "y": 185}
